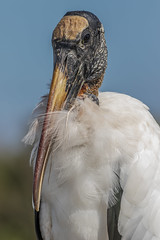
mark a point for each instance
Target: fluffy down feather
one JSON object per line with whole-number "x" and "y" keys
{"x": 94, "y": 149}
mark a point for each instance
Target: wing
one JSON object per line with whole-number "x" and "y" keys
{"x": 140, "y": 205}
{"x": 138, "y": 137}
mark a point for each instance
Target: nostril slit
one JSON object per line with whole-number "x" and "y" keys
{"x": 65, "y": 61}
{"x": 85, "y": 70}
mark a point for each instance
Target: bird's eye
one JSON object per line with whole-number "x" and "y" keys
{"x": 86, "y": 38}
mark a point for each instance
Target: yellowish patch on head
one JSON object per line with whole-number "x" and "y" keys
{"x": 69, "y": 27}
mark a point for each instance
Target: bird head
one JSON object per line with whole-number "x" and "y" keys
{"x": 80, "y": 60}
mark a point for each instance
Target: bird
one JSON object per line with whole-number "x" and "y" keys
{"x": 96, "y": 155}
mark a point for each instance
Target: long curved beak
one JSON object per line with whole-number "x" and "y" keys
{"x": 60, "y": 96}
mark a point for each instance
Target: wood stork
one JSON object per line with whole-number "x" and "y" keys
{"x": 96, "y": 156}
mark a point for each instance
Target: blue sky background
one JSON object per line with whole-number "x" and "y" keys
{"x": 133, "y": 38}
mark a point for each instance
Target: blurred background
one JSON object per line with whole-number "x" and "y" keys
{"x": 132, "y": 30}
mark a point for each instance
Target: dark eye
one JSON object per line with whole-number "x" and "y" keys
{"x": 86, "y": 38}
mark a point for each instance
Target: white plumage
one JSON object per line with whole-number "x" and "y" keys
{"x": 97, "y": 149}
